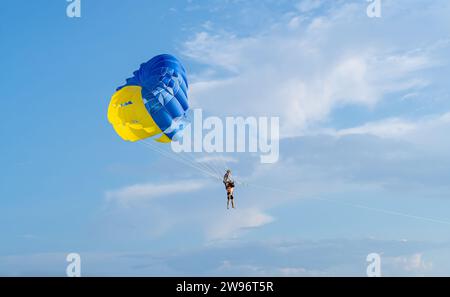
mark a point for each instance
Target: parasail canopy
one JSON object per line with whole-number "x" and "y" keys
{"x": 153, "y": 102}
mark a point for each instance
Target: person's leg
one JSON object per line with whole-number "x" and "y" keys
{"x": 232, "y": 197}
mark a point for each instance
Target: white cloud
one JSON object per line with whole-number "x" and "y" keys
{"x": 234, "y": 223}
{"x": 148, "y": 191}
{"x": 410, "y": 264}
{"x": 205, "y": 215}
{"x": 308, "y": 5}
{"x": 385, "y": 128}
{"x": 397, "y": 128}
{"x": 292, "y": 271}
{"x": 305, "y": 68}
{"x": 229, "y": 267}
{"x": 326, "y": 257}
{"x": 202, "y": 48}
{"x": 213, "y": 159}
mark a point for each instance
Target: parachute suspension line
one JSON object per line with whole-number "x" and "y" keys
{"x": 181, "y": 160}
{"x": 360, "y": 206}
{"x": 208, "y": 166}
{"x": 217, "y": 166}
{"x": 165, "y": 154}
{"x": 221, "y": 162}
{"x": 179, "y": 157}
{"x": 191, "y": 157}
{"x": 224, "y": 162}
{"x": 212, "y": 168}
{"x": 174, "y": 157}
{"x": 217, "y": 161}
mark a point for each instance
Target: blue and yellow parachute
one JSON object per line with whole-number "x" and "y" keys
{"x": 153, "y": 102}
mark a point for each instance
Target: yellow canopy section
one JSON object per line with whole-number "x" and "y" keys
{"x": 129, "y": 116}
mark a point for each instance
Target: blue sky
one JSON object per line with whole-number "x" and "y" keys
{"x": 364, "y": 107}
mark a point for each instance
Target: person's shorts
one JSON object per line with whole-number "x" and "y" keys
{"x": 229, "y": 186}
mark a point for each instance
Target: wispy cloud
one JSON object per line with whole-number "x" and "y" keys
{"x": 397, "y": 128}
{"x": 148, "y": 191}
{"x": 414, "y": 264}
{"x": 131, "y": 206}
{"x": 303, "y": 72}
{"x": 226, "y": 159}
{"x": 282, "y": 258}
{"x": 308, "y": 5}
{"x": 233, "y": 224}
{"x": 385, "y": 128}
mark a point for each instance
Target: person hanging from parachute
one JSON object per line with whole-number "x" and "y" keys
{"x": 229, "y": 187}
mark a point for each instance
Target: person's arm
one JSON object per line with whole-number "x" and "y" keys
{"x": 230, "y": 178}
